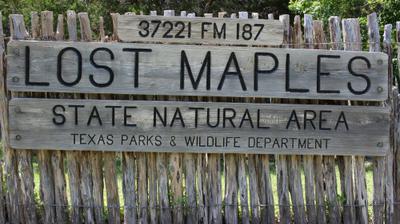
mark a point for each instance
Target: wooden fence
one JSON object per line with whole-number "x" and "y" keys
{"x": 83, "y": 187}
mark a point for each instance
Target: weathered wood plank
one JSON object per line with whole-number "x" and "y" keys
{"x": 199, "y": 30}
{"x": 283, "y": 188}
{"x": 161, "y": 71}
{"x": 368, "y": 137}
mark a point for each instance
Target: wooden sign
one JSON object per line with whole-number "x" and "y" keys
{"x": 198, "y": 127}
{"x": 190, "y": 70}
{"x": 199, "y": 30}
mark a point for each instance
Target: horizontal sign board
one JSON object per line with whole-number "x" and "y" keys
{"x": 199, "y": 30}
{"x": 198, "y": 127}
{"x": 160, "y": 69}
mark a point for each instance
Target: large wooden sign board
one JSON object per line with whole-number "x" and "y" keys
{"x": 190, "y": 70}
{"x": 198, "y": 127}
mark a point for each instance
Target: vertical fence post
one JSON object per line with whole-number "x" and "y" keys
{"x": 379, "y": 168}
{"x": 387, "y": 47}
{"x": 295, "y": 183}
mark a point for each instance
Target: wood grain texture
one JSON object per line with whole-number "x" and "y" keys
{"x": 379, "y": 162}
{"x": 203, "y": 30}
{"x": 162, "y": 169}
{"x": 390, "y": 158}
{"x": 110, "y": 179}
{"x": 231, "y": 191}
{"x": 191, "y": 211}
{"x": 363, "y": 137}
{"x": 352, "y": 38}
{"x": 159, "y": 72}
{"x": 129, "y": 187}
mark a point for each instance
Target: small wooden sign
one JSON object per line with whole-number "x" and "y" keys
{"x": 198, "y": 30}
{"x": 158, "y": 126}
{"x": 190, "y": 70}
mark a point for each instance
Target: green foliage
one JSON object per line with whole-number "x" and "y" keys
{"x": 97, "y": 8}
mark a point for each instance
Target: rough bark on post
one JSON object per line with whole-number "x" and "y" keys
{"x": 110, "y": 179}
{"x": 47, "y": 186}
{"x": 162, "y": 169}
{"x": 47, "y": 25}
{"x": 231, "y": 183}
{"x": 129, "y": 186}
{"x": 57, "y": 162}
{"x": 60, "y": 27}
{"x": 329, "y": 161}
{"x": 114, "y": 18}
{"x": 352, "y": 38}
{"x": 190, "y": 180}
{"x": 142, "y": 188}
{"x": 396, "y": 157}
{"x": 254, "y": 188}
{"x": 201, "y": 184}
{"x": 71, "y": 24}
{"x": 175, "y": 168}
{"x": 266, "y": 192}
{"x": 295, "y": 185}
{"x": 389, "y": 183}
{"x": 101, "y": 29}
{"x": 35, "y": 25}
{"x": 349, "y": 211}
{"x": 57, "y": 158}
{"x": 15, "y": 214}
{"x": 152, "y": 176}
{"x": 309, "y": 159}
{"x": 73, "y": 160}
{"x": 379, "y": 162}
{"x": 214, "y": 188}
{"x": 319, "y": 43}
{"x": 26, "y": 172}
{"x": 95, "y": 158}
{"x": 281, "y": 161}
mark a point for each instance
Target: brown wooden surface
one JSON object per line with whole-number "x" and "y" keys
{"x": 367, "y": 126}
{"x": 202, "y": 30}
{"x": 159, "y": 72}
